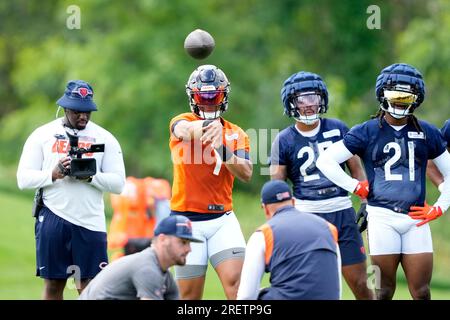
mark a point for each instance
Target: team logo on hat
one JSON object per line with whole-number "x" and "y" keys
{"x": 83, "y": 92}
{"x": 187, "y": 224}
{"x": 283, "y": 195}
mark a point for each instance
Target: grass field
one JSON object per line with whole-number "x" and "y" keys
{"x": 17, "y": 253}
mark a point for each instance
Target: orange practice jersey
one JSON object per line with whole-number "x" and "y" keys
{"x": 200, "y": 184}
{"x": 131, "y": 218}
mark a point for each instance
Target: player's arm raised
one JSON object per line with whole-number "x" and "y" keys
{"x": 235, "y": 162}
{"x": 188, "y": 130}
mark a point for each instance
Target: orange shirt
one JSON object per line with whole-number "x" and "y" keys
{"x": 200, "y": 182}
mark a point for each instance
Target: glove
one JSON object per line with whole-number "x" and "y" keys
{"x": 426, "y": 213}
{"x": 362, "y": 189}
{"x": 361, "y": 215}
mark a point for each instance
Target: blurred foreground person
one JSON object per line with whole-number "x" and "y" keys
{"x": 299, "y": 250}
{"x": 146, "y": 275}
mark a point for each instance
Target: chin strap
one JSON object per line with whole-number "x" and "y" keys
{"x": 70, "y": 126}
{"x": 307, "y": 121}
{"x": 392, "y": 111}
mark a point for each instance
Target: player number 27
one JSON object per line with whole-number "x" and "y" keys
{"x": 389, "y": 176}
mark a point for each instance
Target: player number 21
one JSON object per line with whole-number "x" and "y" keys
{"x": 389, "y": 176}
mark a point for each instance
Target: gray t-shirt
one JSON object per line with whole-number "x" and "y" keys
{"x": 132, "y": 277}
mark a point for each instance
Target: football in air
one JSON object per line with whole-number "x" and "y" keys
{"x": 199, "y": 44}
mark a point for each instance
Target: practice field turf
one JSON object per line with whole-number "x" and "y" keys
{"x": 17, "y": 254}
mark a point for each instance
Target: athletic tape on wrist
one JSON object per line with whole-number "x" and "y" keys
{"x": 224, "y": 153}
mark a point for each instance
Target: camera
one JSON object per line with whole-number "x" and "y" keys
{"x": 82, "y": 168}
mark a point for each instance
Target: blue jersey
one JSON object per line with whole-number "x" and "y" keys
{"x": 446, "y": 131}
{"x": 395, "y": 161}
{"x": 299, "y": 154}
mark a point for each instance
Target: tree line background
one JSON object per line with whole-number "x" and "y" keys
{"x": 132, "y": 53}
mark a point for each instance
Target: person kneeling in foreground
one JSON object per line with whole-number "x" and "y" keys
{"x": 298, "y": 249}
{"x": 146, "y": 275}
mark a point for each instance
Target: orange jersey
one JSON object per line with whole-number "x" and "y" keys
{"x": 131, "y": 208}
{"x": 201, "y": 182}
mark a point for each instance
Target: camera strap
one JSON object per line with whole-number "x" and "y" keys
{"x": 38, "y": 203}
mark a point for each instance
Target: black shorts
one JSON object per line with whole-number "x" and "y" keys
{"x": 64, "y": 249}
{"x": 350, "y": 241}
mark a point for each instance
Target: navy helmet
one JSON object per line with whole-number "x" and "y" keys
{"x": 303, "y": 84}
{"x": 78, "y": 96}
{"x": 208, "y": 86}
{"x": 400, "y": 84}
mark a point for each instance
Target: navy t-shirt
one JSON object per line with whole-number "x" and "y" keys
{"x": 395, "y": 161}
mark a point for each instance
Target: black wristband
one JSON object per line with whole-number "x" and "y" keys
{"x": 206, "y": 122}
{"x": 224, "y": 153}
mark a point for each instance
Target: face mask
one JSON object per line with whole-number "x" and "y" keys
{"x": 210, "y": 115}
{"x": 396, "y": 97}
{"x": 304, "y": 104}
{"x": 396, "y": 116}
{"x": 307, "y": 121}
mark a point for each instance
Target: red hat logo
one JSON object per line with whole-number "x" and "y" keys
{"x": 83, "y": 92}
{"x": 187, "y": 224}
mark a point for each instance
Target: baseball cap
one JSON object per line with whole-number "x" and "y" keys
{"x": 178, "y": 226}
{"x": 78, "y": 96}
{"x": 275, "y": 191}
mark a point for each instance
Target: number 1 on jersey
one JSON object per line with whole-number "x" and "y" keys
{"x": 397, "y": 155}
{"x": 218, "y": 163}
